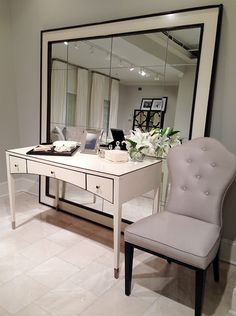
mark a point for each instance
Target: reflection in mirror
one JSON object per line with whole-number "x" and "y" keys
{"x": 77, "y": 196}
{"x": 80, "y": 87}
{"x": 165, "y": 65}
{"x": 182, "y": 57}
{"x": 100, "y": 83}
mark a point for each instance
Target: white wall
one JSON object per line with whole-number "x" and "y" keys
{"x": 172, "y": 93}
{"x": 28, "y": 17}
{"x": 184, "y": 102}
{"x": 130, "y": 98}
{"x": 9, "y": 130}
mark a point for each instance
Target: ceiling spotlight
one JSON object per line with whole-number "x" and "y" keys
{"x": 66, "y": 43}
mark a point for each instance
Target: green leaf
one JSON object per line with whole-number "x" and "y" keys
{"x": 132, "y": 143}
{"x": 173, "y": 132}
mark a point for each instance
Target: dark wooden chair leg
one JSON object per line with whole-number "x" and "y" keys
{"x": 129, "y": 252}
{"x": 199, "y": 291}
{"x": 169, "y": 261}
{"x": 216, "y": 268}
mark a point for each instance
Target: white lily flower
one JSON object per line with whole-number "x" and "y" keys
{"x": 157, "y": 142}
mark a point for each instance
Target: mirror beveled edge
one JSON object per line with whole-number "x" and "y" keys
{"x": 208, "y": 16}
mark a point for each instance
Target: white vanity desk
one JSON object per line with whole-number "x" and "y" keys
{"x": 115, "y": 182}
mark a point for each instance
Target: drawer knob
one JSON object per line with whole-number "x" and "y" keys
{"x": 52, "y": 172}
{"x": 97, "y": 186}
{"x": 16, "y": 165}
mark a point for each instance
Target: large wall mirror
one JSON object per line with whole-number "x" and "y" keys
{"x": 96, "y": 76}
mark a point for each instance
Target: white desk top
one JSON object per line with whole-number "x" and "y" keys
{"x": 88, "y": 162}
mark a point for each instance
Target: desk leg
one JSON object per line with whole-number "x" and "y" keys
{"x": 116, "y": 236}
{"x": 62, "y": 189}
{"x": 11, "y": 191}
{"x": 94, "y": 198}
{"x": 164, "y": 185}
{"x": 156, "y": 200}
{"x": 57, "y": 183}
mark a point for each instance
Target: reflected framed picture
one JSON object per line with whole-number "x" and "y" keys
{"x": 156, "y": 104}
{"x": 164, "y": 103}
{"x": 90, "y": 141}
{"x": 159, "y": 104}
{"x": 146, "y": 104}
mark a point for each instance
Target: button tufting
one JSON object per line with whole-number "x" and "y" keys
{"x": 189, "y": 160}
{"x": 206, "y": 192}
{"x": 213, "y": 164}
{"x": 198, "y": 176}
{"x": 203, "y": 148}
{"x": 184, "y": 188}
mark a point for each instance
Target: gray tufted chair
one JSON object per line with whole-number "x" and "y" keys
{"x": 188, "y": 232}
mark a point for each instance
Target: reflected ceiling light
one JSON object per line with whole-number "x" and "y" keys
{"x": 76, "y": 45}
{"x": 156, "y": 78}
{"x": 131, "y": 68}
{"x": 91, "y": 50}
{"x": 66, "y": 43}
{"x": 142, "y": 72}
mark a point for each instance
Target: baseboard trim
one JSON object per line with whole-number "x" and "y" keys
{"x": 228, "y": 251}
{"x": 3, "y": 189}
{"x": 22, "y": 184}
{"x": 232, "y": 311}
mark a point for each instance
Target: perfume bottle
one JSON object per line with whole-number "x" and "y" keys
{"x": 117, "y": 145}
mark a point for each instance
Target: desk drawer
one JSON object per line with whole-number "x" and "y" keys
{"x": 100, "y": 186}
{"x": 17, "y": 165}
{"x": 74, "y": 177}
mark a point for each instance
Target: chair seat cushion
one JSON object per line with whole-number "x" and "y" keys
{"x": 180, "y": 237}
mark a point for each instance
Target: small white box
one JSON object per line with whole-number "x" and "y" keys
{"x": 116, "y": 155}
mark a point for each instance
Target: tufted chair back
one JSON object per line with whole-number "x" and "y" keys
{"x": 200, "y": 171}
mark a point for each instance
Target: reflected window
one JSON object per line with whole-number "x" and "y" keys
{"x": 106, "y": 112}
{"x": 70, "y": 109}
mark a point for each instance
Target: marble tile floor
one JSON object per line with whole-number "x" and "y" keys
{"x": 57, "y": 264}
